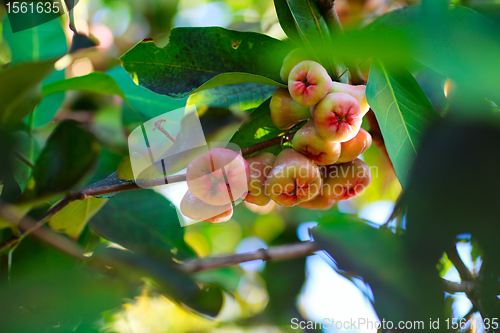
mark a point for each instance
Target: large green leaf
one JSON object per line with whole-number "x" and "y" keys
{"x": 70, "y": 152}
{"x": 258, "y": 128}
{"x": 168, "y": 279}
{"x": 244, "y": 96}
{"x": 27, "y": 150}
{"x": 143, "y": 222}
{"x": 96, "y": 82}
{"x": 287, "y": 21}
{"x": 403, "y": 113}
{"x": 56, "y": 292}
{"x": 195, "y": 56}
{"x": 146, "y": 104}
{"x": 313, "y": 30}
{"x": 21, "y": 90}
{"x": 46, "y": 41}
{"x": 405, "y": 287}
{"x": 72, "y": 219}
{"x": 49, "y": 105}
{"x": 311, "y": 25}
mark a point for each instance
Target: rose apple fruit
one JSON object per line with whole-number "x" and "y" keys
{"x": 351, "y": 149}
{"x": 218, "y": 176}
{"x": 320, "y": 202}
{"x": 309, "y": 143}
{"x": 358, "y": 92}
{"x": 294, "y": 178}
{"x": 198, "y": 210}
{"x": 346, "y": 180}
{"x": 260, "y": 166}
{"x": 337, "y": 117}
{"x": 285, "y": 112}
{"x": 308, "y": 83}
{"x": 291, "y": 60}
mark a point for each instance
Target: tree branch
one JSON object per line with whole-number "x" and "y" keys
{"x": 282, "y": 252}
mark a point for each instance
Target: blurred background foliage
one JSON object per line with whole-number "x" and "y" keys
{"x": 82, "y": 126}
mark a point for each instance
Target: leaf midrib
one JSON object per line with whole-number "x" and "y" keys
{"x": 397, "y": 105}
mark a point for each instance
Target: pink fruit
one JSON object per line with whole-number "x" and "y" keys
{"x": 337, "y": 117}
{"x": 358, "y": 92}
{"x": 198, "y": 210}
{"x": 309, "y": 143}
{"x": 308, "y": 83}
{"x": 320, "y": 202}
{"x": 285, "y": 112}
{"x": 346, "y": 180}
{"x": 260, "y": 166}
{"x": 291, "y": 60}
{"x": 294, "y": 178}
{"x": 356, "y": 146}
{"x": 218, "y": 176}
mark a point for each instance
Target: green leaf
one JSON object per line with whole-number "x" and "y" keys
{"x": 405, "y": 286}
{"x": 49, "y": 105}
{"x": 310, "y": 23}
{"x": 287, "y": 21}
{"x": 21, "y": 90}
{"x": 53, "y": 290}
{"x": 146, "y": 104}
{"x": 46, "y": 41}
{"x": 72, "y": 219}
{"x": 403, "y": 113}
{"x": 235, "y": 78}
{"x": 28, "y": 149}
{"x": 69, "y": 154}
{"x": 313, "y": 30}
{"x": 144, "y": 222}
{"x": 95, "y": 82}
{"x": 244, "y": 96}
{"x": 258, "y": 128}
{"x": 168, "y": 279}
{"x": 194, "y": 56}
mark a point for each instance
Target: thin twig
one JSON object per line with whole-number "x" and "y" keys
{"x": 24, "y": 159}
{"x": 282, "y": 252}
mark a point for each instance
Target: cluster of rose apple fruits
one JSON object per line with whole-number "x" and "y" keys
{"x": 322, "y": 167}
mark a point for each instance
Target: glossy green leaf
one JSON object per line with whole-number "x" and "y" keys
{"x": 72, "y": 219}
{"x": 49, "y": 105}
{"x": 287, "y": 21}
{"x": 310, "y": 23}
{"x": 258, "y": 128}
{"x": 236, "y": 78}
{"x": 313, "y": 30}
{"x": 244, "y": 96}
{"x": 143, "y": 222}
{"x": 403, "y": 112}
{"x": 95, "y": 82}
{"x": 69, "y": 154}
{"x": 21, "y": 90}
{"x": 195, "y": 56}
{"x": 46, "y": 41}
{"x": 27, "y": 151}
{"x": 146, "y": 104}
